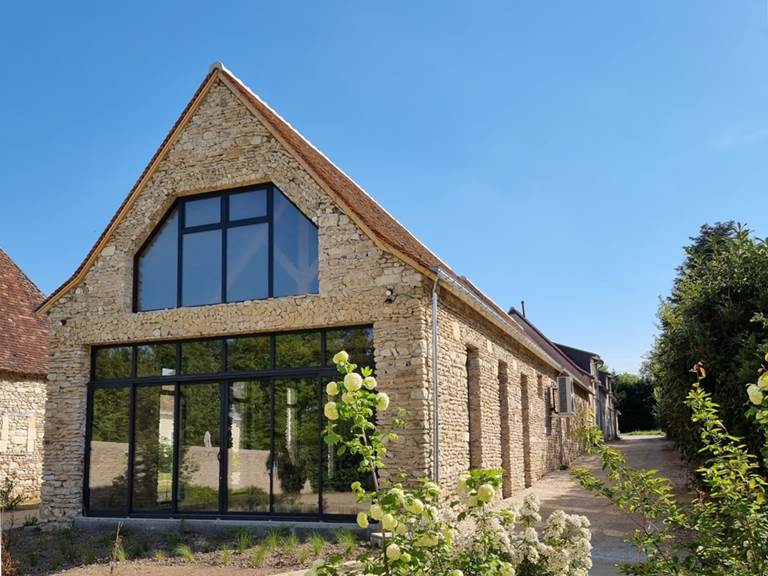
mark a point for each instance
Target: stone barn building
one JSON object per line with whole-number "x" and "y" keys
{"x": 23, "y": 369}
{"x": 190, "y": 349}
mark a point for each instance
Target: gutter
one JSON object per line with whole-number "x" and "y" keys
{"x": 435, "y": 381}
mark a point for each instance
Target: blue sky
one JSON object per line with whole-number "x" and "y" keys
{"x": 556, "y": 152}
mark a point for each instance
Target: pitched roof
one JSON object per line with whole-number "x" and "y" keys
{"x": 379, "y": 224}
{"x": 581, "y": 357}
{"x": 538, "y": 336}
{"x": 23, "y": 334}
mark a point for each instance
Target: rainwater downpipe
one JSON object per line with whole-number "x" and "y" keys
{"x": 435, "y": 381}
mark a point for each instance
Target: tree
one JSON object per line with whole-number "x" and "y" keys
{"x": 636, "y": 402}
{"x": 712, "y": 315}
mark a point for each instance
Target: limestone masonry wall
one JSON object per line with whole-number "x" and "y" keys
{"x": 22, "y": 415}
{"x": 534, "y": 446}
{"x": 224, "y": 146}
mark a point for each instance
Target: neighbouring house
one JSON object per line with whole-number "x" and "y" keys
{"x": 23, "y": 370}
{"x": 190, "y": 350}
{"x": 606, "y": 412}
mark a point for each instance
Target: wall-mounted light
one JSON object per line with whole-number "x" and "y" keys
{"x": 389, "y": 295}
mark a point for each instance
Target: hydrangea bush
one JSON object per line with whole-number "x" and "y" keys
{"x": 723, "y": 530}
{"x": 426, "y": 532}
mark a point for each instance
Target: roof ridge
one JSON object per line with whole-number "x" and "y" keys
{"x": 34, "y": 286}
{"x": 220, "y": 66}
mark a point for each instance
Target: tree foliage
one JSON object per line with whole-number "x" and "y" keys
{"x": 635, "y": 401}
{"x": 713, "y": 314}
{"x": 723, "y": 530}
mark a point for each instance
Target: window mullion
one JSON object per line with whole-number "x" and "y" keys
{"x": 224, "y": 226}
{"x": 271, "y": 237}
{"x": 180, "y": 255}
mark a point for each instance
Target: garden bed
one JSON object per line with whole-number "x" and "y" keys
{"x": 80, "y": 553}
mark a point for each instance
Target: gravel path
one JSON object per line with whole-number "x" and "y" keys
{"x": 610, "y": 527}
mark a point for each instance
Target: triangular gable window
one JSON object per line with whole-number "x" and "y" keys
{"x": 245, "y": 244}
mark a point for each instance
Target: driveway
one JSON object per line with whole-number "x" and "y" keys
{"x": 610, "y": 526}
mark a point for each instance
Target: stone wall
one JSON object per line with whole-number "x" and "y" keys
{"x": 22, "y": 417}
{"x": 500, "y": 371}
{"x": 225, "y": 146}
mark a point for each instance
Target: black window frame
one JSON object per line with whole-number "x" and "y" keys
{"x": 224, "y": 224}
{"x": 321, "y": 373}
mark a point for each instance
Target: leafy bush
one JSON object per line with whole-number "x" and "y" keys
{"x": 636, "y": 402}
{"x": 425, "y": 533}
{"x": 712, "y": 314}
{"x": 724, "y": 530}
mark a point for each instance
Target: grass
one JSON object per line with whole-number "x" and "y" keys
{"x": 259, "y": 555}
{"x": 290, "y": 542}
{"x": 348, "y": 541}
{"x": 243, "y": 540}
{"x": 272, "y": 539}
{"x": 184, "y": 551}
{"x": 159, "y": 555}
{"x": 655, "y": 432}
{"x": 305, "y": 553}
{"x": 317, "y": 542}
{"x": 226, "y": 555}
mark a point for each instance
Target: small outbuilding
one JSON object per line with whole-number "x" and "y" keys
{"x": 23, "y": 371}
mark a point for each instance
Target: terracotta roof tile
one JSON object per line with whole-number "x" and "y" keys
{"x": 23, "y": 334}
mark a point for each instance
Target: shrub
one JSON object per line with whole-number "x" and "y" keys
{"x": 724, "y": 530}
{"x": 424, "y": 532}
{"x": 712, "y": 314}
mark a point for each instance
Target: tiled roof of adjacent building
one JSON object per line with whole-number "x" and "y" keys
{"x": 23, "y": 334}
{"x": 538, "y": 336}
{"x": 581, "y": 357}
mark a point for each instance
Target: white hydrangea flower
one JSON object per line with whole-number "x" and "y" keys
{"x": 341, "y": 357}
{"x": 353, "y": 381}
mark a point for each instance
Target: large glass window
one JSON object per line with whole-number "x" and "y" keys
{"x": 157, "y": 267}
{"x": 250, "y": 444}
{"x": 113, "y": 362}
{"x": 199, "y": 447}
{"x": 298, "y": 445}
{"x": 295, "y": 250}
{"x": 108, "y": 462}
{"x": 232, "y": 246}
{"x": 153, "y": 458}
{"x": 229, "y": 425}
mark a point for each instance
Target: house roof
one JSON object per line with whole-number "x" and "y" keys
{"x": 23, "y": 334}
{"x": 581, "y": 357}
{"x": 378, "y": 224}
{"x": 583, "y": 378}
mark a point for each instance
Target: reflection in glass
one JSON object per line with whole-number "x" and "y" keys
{"x": 294, "y": 250}
{"x": 297, "y": 446}
{"x": 248, "y": 353}
{"x": 297, "y": 350}
{"x": 251, "y": 204}
{"x": 108, "y": 463}
{"x": 158, "y": 264}
{"x": 200, "y": 408}
{"x": 153, "y": 458}
{"x": 201, "y": 357}
{"x": 248, "y": 262}
{"x": 203, "y": 211}
{"x": 201, "y": 268}
{"x": 250, "y": 439}
{"x": 113, "y": 362}
{"x": 156, "y": 360}
{"x": 358, "y": 342}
